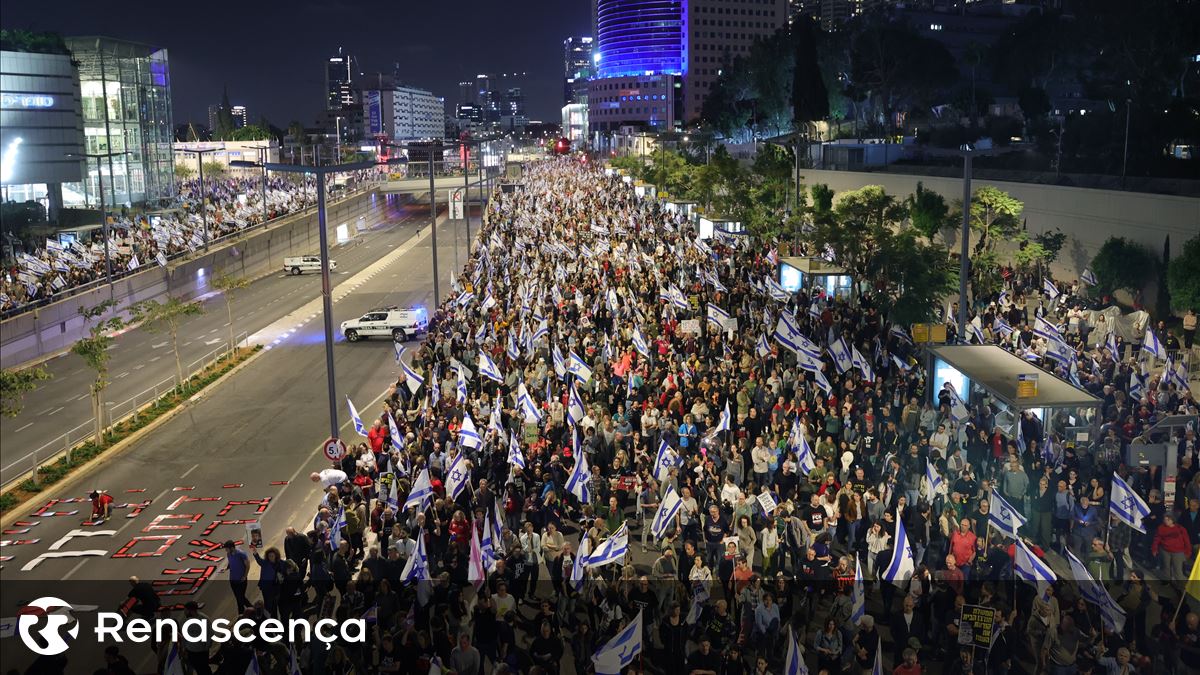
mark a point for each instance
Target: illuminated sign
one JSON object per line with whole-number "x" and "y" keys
{"x": 27, "y": 101}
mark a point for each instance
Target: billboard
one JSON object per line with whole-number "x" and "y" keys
{"x": 374, "y": 112}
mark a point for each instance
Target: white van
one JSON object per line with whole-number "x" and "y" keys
{"x": 400, "y": 324}
{"x": 305, "y": 263}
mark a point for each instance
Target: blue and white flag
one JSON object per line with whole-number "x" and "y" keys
{"x": 489, "y": 301}
{"x": 400, "y": 349}
{"x": 1088, "y": 276}
{"x": 577, "y": 482}
{"x": 763, "y": 348}
{"x": 335, "y": 530}
{"x": 465, "y": 298}
{"x": 457, "y": 476}
{"x": 1000, "y": 327}
{"x": 575, "y": 411}
{"x": 1050, "y": 289}
{"x": 515, "y": 458}
{"x": 560, "y": 364}
{"x": 1128, "y": 505}
{"x": 902, "y": 564}
{"x": 420, "y": 492}
{"x": 417, "y": 567}
{"x": 976, "y": 332}
{"x": 814, "y": 310}
{"x": 1137, "y": 388}
{"x": 1029, "y": 567}
{"x": 776, "y": 291}
{"x": 667, "y": 509}
{"x": 513, "y": 351}
{"x": 394, "y": 432}
{"x": 613, "y": 657}
{"x": 902, "y": 365}
{"x": 933, "y": 480}
{"x": 358, "y": 423}
{"x": 863, "y": 364}
{"x": 529, "y": 408}
{"x": 877, "y": 669}
{"x": 542, "y": 331}
{"x": 900, "y": 334}
{"x": 1003, "y": 516}
{"x": 460, "y": 389}
{"x": 577, "y": 367}
{"x": 677, "y": 298}
{"x": 1095, "y": 593}
{"x": 822, "y": 382}
{"x": 610, "y": 550}
{"x": 723, "y": 424}
{"x": 174, "y": 663}
{"x": 252, "y": 668}
{"x": 639, "y": 342}
{"x": 411, "y": 378}
{"x": 488, "y": 369}
{"x": 468, "y": 435}
{"x": 858, "y": 595}
{"x": 841, "y": 355}
{"x": 804, "y": 454}
{"x": 293, "y": 661}
{"x": 1152, "y": 346}
{"x": 793, "y": 663}
{"x": 664, "y": 461}
{"x": 1046, "y": 330}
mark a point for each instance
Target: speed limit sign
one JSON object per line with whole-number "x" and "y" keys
{"x": 335, "y": 449}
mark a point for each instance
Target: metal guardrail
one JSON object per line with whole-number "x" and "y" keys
{"x": 114, "y": 414}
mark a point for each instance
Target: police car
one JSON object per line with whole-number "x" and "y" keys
{"x": 400, "y": 324}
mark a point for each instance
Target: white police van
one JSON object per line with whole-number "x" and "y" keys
{"x": 305, "y": 263}
{"x": 400, "y": 324}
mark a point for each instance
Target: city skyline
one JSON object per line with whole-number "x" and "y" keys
{"x": 262, "y": 74}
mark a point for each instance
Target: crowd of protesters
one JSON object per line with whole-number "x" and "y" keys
{"x": 152, "y": 238}
{"x": 580, "y": 331}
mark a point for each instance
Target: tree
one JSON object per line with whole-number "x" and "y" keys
{"x": 1183, "y": 277}
{"x": 1121, "y": 264}
{"x": 928, "y": 212}
{"x": 214, "y": 169}
{"x": 855, "y": 228}
{"x": 822, "y": 197}
{"x": 229, "y": 286}
{"x": 913, "y": 277}
{"x": 810, "y": 99}
{"x": 893, "y": 68}
{"x": 93, "y": 349}
{"x": 166, "y": 316}
{"x": 14, "y": 384}
{"x": 183, "y": 171}
{"x": 225, "y": 124}
{"x": 995, "y": 215}
{"x": 1053, "y": 241}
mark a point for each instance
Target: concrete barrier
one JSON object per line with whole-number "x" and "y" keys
{"x": 55, "y": 327}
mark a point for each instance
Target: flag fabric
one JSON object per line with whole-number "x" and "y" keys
{"x": 1128, "y": 505}
{"x": 468, "y": 435}
{"x": 976, "y": 332}
{"x": 665, "y": 460}
{"x": 1137, "y": 388}
{"x": 1095, "y": 593}
{"x": 1000, "y": 327}
{"x": 529, "y": 408}
{"x": 512, "y": 350}
{"x": 457, "y": 476}
{"x": 793, "y": 663}
{"x": 777, "y": 292}
{"x": 575, "y": 411}
{"x": 515, "y": 457}
{"x": 610, "y": 550}
{"x": 1152, "y": 346}
{"x": 667, "y": 509}
{"x": 417, "y": 567}
{"x": 858, "y": 596}
{"x": 358, "y": 423}
{"x": 465, "y": 298}
{"x": 899, "y": 333}
{"x": 174, "y": 663}
{"x": 933, "y": 480}
{"x": 902, "y": 365}
{"x": 577, "y": 367}
{"x": 394, "y": 432}
{"x": 1088, "y": 276}
{"x": 543, "y": 330}
{"x": 476, "y": 573}
{"x": 577, "y": 483}
{"x": 902, "y": 564}
{"x": 613, "y": 657}
{"x": 639, "y": 342}
{"x": 877, "y": 669}
{"x": 411, "y": 378}
{"x": 1003, "y": 516}
{"x": 1193, "y": 583}
{"x": 460, "y": 389}
{"x": 161, "y": 259}
{"x": 578, "y": 571}
{"x": 763, "y": 348}
{"x": 335, "y": 530}
{"x": 723, "y": 424}
{"x": 1027, "y": 566}
{"x": 400, "y": 349}
{"x": 1110, "y": 341}
{"x": 487, "y": 368}
{"x": 1050, "y": 289}
{"x": 841, "y": 355}
{"x": 293, "y": 661}
{"x": 420, "y": 492}
{"x": 253, "y": 668}
{"x": 804, "y": 455}
{"x": 1046, "y": 330}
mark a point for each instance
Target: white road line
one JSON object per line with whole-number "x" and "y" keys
{"x": 155, "y": 359}
{"x": 20, "y": 429}
{"x": 159, "y": 345}
{"x": 139, "y": 366}
{"x": 124, "y": 374}
{"x": 52, "y": 412}
{"x": 213, "y": 341}
{"x": 185, "y": 473}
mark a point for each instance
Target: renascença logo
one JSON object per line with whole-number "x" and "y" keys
{"x": 48, "y": 640}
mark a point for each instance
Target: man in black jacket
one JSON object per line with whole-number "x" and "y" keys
{"x": 297, "y": 548}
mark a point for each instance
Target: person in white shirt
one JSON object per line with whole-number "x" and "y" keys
{"x": 531, "y": 545}
{"x": 940, "y": 439}
{"x": 730, "y": 492}
{"x": 328, "y": 478}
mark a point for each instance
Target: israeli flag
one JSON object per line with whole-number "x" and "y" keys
{"x": 639, "y": 342}
{"x": 394, "y": 433}
{"x": 335, "y": 530}
{"x": 293, "y": 661}
{"x": 529, "y": 408}
{"x": 934, "y": 480}
{"x": 1088, "y": 276}
{"x": 776, "y": 291}
{"x": 542, "y": 331}
{"x": 723, "y": 424}
{"x": 1095, "y": 593}
{"x": 1050, "y": 289}
{"x": 400, "y": 349}
{"x": 877, "y": 669}
{"x": 513, "y": 351}
{"x": 417, "y": 567}
{"x": 1046, "y": 330}
{"x": 358, "y": 423}
{"x": 1152, "y": 346}
{"x": 1003, "y": 516}
{"x": 804, "y": 454}
{"x": 793, "y": 663}
{"x": 577, "y": 483}
{"x": 1029, "y": 567}
{"x": 411, "y": 378}
{"x": 468, "y": 435}
{"x": 822, "y": 382}
{"x": 763, "y": 348}
{"x": 489, "y": 301}
{"x": 457, "y": 476}
{"x": 575, "y": 411}
{"x": 465, "y": 298}
{"x": 814, "y": 310}
{"x": 863, "y": 365}
{"x": 460, "y": 389}
{"x": 560, "y": 364}
{"x": 1127, "y": 505}
{"x": 664, "y": 461}
{"x": 487, "y": 547}
{"x": 902, "y": 565}
{"x": 841, "y": 355}
{"x": 667, "y": 509}
{"x": 577, "y": 367}
{"x": 1137, "y": 388}
{"x": 900, "y": 334}
{"x": 420, "y": 492}
{"x": 610, "y": 550}
{"x": 976, "y": 332}
{"x": 901, "y": 364}
{"x": 678, "y": 299}
{"x": 252, "y": 668}
{"x": 613, "y": 657}
{"x": 1001, "y": 327}
{"x": 174, "y": 664}
{"x": 515, "y": 457}
{"x": 488, "y": 369}
{"x": 578, "y": 571}
{"x": 1002, "y": 298}
{"x": 858, "y": 601}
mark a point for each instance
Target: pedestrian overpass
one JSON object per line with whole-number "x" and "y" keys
{"x": 420, "y": 185}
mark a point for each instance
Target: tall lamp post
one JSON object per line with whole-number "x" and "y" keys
{"x": 203, "y": 208}
{"x": 326, "y": 285}
{"x": 432, "y": 221}
{"x": 103, "y": 206}
{"x": 262, "y": 159}
{"x": 964, "y": 264}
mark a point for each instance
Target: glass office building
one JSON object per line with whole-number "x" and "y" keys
{"x": 638, "y": 37}
{"x": 126, "y": 91}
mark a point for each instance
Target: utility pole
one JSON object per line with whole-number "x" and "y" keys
{"x": 964, "y": 268}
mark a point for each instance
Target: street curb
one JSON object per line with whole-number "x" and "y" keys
{"x": 82, "y": 471}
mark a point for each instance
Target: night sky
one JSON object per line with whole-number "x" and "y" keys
{"x": 272, "y": 54}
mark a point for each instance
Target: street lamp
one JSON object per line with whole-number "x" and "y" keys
{"x": 103, "y": 206}
{"x": 203, "y": 208}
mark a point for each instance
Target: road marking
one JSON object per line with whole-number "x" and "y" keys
{"x": 213, "y": 341}
{"x": 20, "y": 429}
{"x": 52, "y": 412}
{"x": 124, "y": 374}
{"x": 81, "y": 397}
{"x": 139, "y": 366}
{"x": 155, "y": 359}
{"x": 185, "y": 473}
{"x": 159, "y": 345}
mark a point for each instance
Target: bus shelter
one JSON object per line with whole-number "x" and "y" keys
{"x": 813, "y": 273}
{"x": 1009, "y": 385}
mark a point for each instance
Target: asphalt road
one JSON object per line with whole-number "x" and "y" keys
{"x": 141, "y": 359}
{"x": 261, "y": 427}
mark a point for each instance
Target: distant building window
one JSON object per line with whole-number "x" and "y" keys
{"x": 935, "y": 26}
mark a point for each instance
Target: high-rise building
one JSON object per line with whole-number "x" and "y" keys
{"x": 656, "y": 60}
{"x": 339, "y": 81}
{"x": 467, "y": 93}
{"x": 214, "y": 115}
{"x": 404, "y": 114}
{"x": 126, "y": 90}
{"x": 577, "y": 68}
{"x": 239, "y": 116}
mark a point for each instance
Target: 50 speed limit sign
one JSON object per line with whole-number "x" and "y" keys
{"x": 335, "y": 449}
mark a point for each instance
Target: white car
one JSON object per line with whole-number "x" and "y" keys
{"x": 305, "y": 263}
{"x": 399, "y": 324}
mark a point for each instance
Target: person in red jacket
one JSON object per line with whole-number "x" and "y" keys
{"x": 1172, "y": 540}
{"x": 376, "y": 435}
